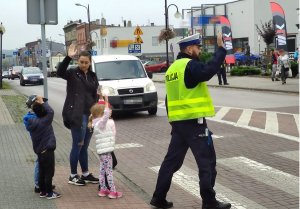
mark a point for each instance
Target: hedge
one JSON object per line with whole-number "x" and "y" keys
{"x": 245, "y": 70}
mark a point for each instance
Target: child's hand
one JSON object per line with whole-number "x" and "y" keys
{"x": 39, "y": 100}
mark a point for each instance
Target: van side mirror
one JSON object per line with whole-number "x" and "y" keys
{"x": 150, "y": 75}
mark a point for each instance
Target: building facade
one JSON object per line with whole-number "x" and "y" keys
{"x": 244, "y": 15}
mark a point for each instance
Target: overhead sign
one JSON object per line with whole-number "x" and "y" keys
{"x": 138, "y": 31}
{"x": 134, "y": 48}
{"x": 138, "y": 40}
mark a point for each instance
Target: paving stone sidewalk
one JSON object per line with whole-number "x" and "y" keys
{"x": 16, "y": 182}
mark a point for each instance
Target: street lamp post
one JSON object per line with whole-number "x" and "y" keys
{"x": 2, "y": 31}
{"x": 88, "y": 38}
{"x": 177, "y": 15}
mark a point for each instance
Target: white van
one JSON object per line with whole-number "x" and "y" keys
{"x": 125, "y": 81}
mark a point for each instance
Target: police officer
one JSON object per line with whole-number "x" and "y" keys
{"x": 188, "y": 102}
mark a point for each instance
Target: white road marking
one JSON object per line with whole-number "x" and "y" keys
{"x": 188, "y": 180}
{"x": 127, "y": 145}
{"x": 296, "y": 116}
{"x": 292, "y": 138}
{"x": 245, "y": 117}
{"x": 292, "y": 155}
{"x": 271, "y": 122}
{"x": 221, "y": 113}
{"x": 263, "y": 173}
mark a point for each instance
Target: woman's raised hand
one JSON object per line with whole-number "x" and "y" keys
{"x": 72, "y": 51}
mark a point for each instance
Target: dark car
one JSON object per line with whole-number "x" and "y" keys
{"x": 31, "y": 75}
{"x": 154, "y": 66}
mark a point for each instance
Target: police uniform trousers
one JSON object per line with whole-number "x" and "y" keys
{"x": 189, "y": 134}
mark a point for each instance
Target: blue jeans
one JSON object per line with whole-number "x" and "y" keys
{"x": 36, "y": 173}
{"x": 79, "y": 152}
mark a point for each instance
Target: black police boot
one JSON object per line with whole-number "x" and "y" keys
{"x": 161, "y": 203}
{"x": 217, "y": 205}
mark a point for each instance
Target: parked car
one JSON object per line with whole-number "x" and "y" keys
{"x": 31, "y": 75}
{"x": 5, "y": 74}
{"x": 154, "y": 66}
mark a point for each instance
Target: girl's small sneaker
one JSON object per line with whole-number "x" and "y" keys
{"x": 103, "y": 193}
{"x": 114, "y": 195}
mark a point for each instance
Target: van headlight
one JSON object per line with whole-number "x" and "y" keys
{"x": 42, "y": 76}
{"x": 108, "y": 91}
{"x": 150, "y": 87}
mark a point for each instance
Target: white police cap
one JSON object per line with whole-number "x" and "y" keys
{"x": 190, "y": 40}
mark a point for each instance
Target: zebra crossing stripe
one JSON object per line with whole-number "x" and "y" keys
{"x": 296, "y": 117}
{"x": 263, "y": 173}
{"x": 188, "y": 180}
{"x": 245, "y": 117}
{"x": 221, "y": 113}
{"x": 271, "y": 122}
{"x": 292, "y": 155}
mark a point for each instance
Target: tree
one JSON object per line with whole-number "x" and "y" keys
{"x": 267, "y": 32}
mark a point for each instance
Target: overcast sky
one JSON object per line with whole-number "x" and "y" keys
{"x": 13, "y": 15}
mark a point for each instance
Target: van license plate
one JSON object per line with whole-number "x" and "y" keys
{"x": 133, "y": 100}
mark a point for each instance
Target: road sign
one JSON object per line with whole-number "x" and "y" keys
{"x": 138, "y": 40}
{"x": 134, "y": 48}
{"x": 34, "y": 12}
{"x": 138, "y": 31}
{"x": 93, "y": 53}
{"x": 15, "y": 53}
{"x": 27, "y": 52}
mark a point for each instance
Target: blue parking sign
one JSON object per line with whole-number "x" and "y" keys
{"x": 134, "y": 48}
{"x": 93, "y": 53}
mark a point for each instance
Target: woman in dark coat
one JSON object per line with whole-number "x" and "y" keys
{"x": 82, "y": 86}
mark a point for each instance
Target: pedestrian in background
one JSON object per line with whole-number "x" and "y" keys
{"x": 82, "y": 86}
{"x": 274, "y": 65}
{"x": 38, "y": 122}
{"x": 188, "y": 102}
{"x": 284, "y": 65}
{"x": 104, "y": 134}
{"x": 222, "y": 74}
{"x": 247, "y": 53}
{"x": 296, "y": 55}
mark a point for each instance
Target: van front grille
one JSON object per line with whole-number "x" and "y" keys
{"x": 131, "y": 91}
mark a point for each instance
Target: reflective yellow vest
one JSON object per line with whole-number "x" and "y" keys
{"x": 184, "y": 103}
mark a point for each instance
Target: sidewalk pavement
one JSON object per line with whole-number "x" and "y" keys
{"x": 17, "y": 160}
{"x": 249, "y": 82}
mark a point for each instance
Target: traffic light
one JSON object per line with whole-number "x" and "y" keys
{"x": 3, "y": 56}
{"x": 48, "y": 63}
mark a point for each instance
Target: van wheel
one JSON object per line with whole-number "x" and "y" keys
{"x": 152, "y": 111}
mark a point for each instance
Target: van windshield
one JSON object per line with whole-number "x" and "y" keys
{"x": 119, "y": 69}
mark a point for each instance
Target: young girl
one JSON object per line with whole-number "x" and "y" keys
{"x": 104, "y": 135}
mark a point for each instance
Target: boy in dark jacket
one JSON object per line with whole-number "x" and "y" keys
{"x": 38, "y": 122}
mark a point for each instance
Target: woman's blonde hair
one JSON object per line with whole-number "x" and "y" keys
{"x": 97, "y": 111}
